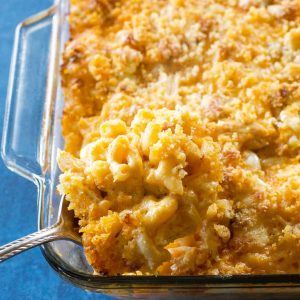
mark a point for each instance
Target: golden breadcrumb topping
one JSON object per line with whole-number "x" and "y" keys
{"x": 182, "y": 135}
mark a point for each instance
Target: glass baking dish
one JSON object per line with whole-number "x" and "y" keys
{"x": 34, "y": 107}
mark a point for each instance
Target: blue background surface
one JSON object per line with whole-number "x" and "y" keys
{"x": 28, "y": 275}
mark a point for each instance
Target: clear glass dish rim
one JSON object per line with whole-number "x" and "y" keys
{"x": 96, "y": 282}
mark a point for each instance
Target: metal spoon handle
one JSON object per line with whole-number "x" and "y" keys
{"x": 29, "y": 241}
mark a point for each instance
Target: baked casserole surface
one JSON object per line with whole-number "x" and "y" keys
{"x": 182, "y": 135}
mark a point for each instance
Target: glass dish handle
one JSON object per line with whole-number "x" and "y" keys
{"x": 26, "y": 113}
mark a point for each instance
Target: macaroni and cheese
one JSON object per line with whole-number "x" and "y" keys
{"x": 182, "y": 135}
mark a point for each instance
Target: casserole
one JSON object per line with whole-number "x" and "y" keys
{"x": 37, "y": 107}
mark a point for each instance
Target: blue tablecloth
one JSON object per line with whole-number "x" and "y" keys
{"x": 26, "y": 276}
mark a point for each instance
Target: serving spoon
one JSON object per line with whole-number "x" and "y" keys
{"x": 64, "y": 229}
